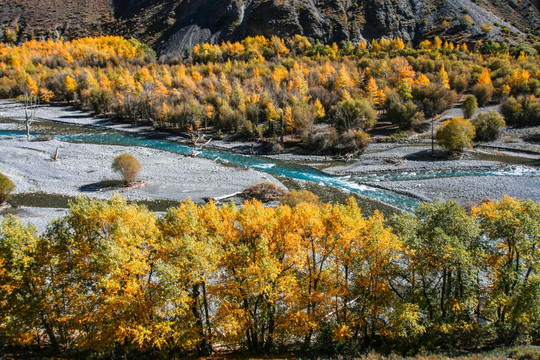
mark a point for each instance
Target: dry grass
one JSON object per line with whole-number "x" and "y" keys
{"x": 264, "y": 191}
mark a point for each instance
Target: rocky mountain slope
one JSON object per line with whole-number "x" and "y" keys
{"x": 172, "y": 26}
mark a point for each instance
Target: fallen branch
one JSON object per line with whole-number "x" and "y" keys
{"x": 203, "y": 145}
{"x": 5, "y": 206}
{"x": 220, "y": 198}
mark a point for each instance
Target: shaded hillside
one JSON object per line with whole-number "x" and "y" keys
{"x": 41, "y": 19}
{"x": 172, "y": 26}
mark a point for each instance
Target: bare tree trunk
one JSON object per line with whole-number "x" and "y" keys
{"x": 30, "y": 104}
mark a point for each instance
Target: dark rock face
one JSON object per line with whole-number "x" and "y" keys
{"x": 172, "y": 26}
{"x": 328, "y": 21}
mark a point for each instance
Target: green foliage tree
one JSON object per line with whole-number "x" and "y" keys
{"x": 470, "y": 105}
{"x": 455, "y": 135}
{"x": 512, "y": 229}
{"x": 441, "y": 267}
{"x": 353, "y": 114}
{"x": 128, "y": 166}
{"x": 6, "y": 188}
{"x": 488, "y": 125}
{"x": 433, "y": 99}
{"x": 404, "y": 114}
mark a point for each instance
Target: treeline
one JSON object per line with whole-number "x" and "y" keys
{"x": 324, "y": 95}
{"x": 112, "y": 278}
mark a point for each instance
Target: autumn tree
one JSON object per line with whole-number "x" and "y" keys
{"x": 364, "y": 257}
{"x": 6, "y": 188}
{"x": 189, "y": 258}
{"x": 455, "y": 135}
{"x": 101, "y": 278}
{"x": 23, "y": 313}
{"x": 128, "y": 166}
{"x": 483, "y": 90}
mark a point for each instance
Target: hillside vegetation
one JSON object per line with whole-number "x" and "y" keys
{"x": 323, "y": 97}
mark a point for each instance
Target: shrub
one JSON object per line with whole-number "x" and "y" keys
{"x": 319, "y": 138}
{"x": 127, "y": 165}
{"x": 353, "y": 114}
{"x": 403, "y": 114}
{"x": 459, "y": 83}
{"x": 455, "y": 134}
{"x": 483, "y": 93}
{"x": 470, "y": 105}
{"x": 523, "y": 111}
{"x": 433, "y": 99}
{"x": 327, "y": 140}
{"x": 296, "y": 197}
{"x": 6, "y": 188}
{"x": 264, "y": 191}
{"x": 486, "y": 28}
{"x": 488, "y": 125}
{"x": 350, "y": 142}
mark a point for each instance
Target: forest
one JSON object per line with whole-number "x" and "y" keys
{"x": 322, "y": 97}
{"x": 113, "y": 278}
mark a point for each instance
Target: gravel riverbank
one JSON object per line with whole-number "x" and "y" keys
{"x": 520, "y": 181}
{"x": 171, "y": 176}
{"x": 81, "y": 168}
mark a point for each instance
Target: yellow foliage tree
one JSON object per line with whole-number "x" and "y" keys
{"x": 442, "y": 76}
{"x": 484, "y": 77}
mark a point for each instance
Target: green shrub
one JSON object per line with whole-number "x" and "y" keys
{"x": 523, "y": 111}
{"x": 470, "y": 105}
{"x": 328, "y": 140}
{"x": 525, "y": 353}
{"x": 483, "y": 93}
{"x": 350, "y": 142}
{"x": 353, "y": 114}
{"x": 433, "y": 99}
{"x": 406, "y": 114}
{"x": 488, "y": 125}
{"x": 455, "y": 134}
{"x": 127, "y": 165}
{"x": 296, "y": 197}
{"x": 6, "y": 188}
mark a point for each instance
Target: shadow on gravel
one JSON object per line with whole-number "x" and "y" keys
{"x": 427, "y": 155}
{"x": 83, "y": 116}
{"x": 101, "y": 185}
{"x": 533, "y": 139}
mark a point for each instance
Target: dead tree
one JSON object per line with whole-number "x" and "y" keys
{"x": 30, "y": 106}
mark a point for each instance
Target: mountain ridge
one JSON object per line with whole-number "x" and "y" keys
{"x": 173, "y": 26}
